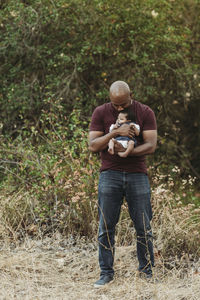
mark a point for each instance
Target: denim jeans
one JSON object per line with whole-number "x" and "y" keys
{"x": 114, "y": 186}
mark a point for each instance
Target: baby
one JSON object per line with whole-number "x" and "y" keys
{"x": 125, "y": 117}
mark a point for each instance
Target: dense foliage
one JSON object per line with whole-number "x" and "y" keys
{"x": 71, "y": 51}
{"x": 58, "y": 59}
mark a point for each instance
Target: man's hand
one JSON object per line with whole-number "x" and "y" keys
{"x": 136, "y": 131}
{"x": 126, "y": 130}
{"x": 118, "y": 147}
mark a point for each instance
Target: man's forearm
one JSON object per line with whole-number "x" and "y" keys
{"x": 100, "y": 143}
{"x": 149, "y": 143}
{"x": 146, "y": 148}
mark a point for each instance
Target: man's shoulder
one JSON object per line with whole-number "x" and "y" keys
{"x": 103, "y": 110}
{"x": 102, "y": 118}
{"x": 103, "y": 107}
{"x": 142, "y": 106}
{"x": 146, "y": 116}
{"x": 143, "y": 110}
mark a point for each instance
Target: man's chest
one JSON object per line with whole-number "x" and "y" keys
{"x": 108, "y": 121}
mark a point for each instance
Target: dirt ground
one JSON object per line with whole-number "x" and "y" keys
{"x": 56, "y": 269}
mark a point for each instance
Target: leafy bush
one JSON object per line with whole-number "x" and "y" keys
{"x": 53, "y": 187}
{"x": 58, "y": 60}
{"x": 56, "y": 177}
{"x": 73, "y": 50}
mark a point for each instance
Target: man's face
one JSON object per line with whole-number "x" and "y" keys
{"x": 119, "y": 102}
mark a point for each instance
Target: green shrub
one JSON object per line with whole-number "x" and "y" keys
{"x": 73, "y": 50}
{"x": 58, "y": 59}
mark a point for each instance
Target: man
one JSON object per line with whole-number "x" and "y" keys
{"x": 123, "y": 177}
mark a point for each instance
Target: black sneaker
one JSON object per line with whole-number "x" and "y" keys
{"x": 145, "y": 275}
{"x": 148, "y": 276}
{"x": 104, "y": 279}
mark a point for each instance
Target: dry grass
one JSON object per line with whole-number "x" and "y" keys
{"x": 54, "y": 268}
{"x": 58, "y": 268}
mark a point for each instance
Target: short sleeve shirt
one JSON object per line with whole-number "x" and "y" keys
{"x": 105, "y": 115}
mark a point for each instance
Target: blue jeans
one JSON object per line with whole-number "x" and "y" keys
{"x": 113, "y": 187}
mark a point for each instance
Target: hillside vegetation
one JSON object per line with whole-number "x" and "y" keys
{"x": 58, "y": 59}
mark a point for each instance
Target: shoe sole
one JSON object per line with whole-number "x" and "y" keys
{"x": 98, "y": 286}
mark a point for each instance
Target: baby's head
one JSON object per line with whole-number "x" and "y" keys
{"x": 122, "y": 118}
{"x": 125, "y": 115}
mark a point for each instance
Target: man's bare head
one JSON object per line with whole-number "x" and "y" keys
{"x": 120, "y": 95}
{"x": 119, "y": 88}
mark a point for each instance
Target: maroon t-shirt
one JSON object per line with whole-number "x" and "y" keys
{"x": 105, "y": 115}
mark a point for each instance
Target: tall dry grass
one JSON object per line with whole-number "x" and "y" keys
{"x": 176, "y": 226}
{"x": 58, "y": 259}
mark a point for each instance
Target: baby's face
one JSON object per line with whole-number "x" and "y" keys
{"x": 122, "y": 118}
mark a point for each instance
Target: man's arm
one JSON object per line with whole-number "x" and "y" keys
{"x": 98, "y": 141}
{"x": 149, "y": 144}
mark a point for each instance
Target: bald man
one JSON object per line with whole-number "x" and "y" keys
{"x": 123, "y": 177}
